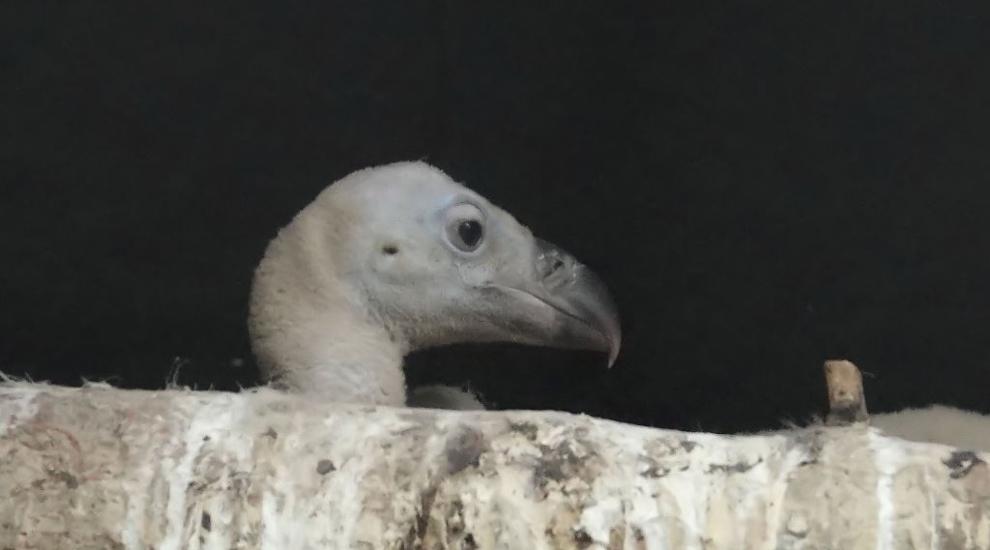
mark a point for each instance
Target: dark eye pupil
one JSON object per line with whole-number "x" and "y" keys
{"x": 470, "y": 232}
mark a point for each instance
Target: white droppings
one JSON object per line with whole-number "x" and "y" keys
{"x": 294, "y": 522}
{"x": 136, "y": 488}
{"x": 776, "y": 490}
{"x": 645, "y": 515}
{"x": 18, "y": 407}
{"x": 797, "y": 524}
{"x": 599, "y": 519}
{"x": 888, "y": 457}
{"x": 238, "y": 446}
{"x": 749, "y": 493}
{"x": 210, "y": 419}
{"x": 932, "y": 510}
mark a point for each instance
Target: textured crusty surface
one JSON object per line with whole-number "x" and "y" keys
{"x": 103, "y": 468}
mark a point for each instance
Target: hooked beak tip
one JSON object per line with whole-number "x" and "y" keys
{"x": 586, "y": 315}
{"x": 614, "y": 338}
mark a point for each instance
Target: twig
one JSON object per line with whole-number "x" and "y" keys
{"x": 846, "y": 401}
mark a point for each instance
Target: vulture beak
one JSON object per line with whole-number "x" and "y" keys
{"x": 583, "y": 313}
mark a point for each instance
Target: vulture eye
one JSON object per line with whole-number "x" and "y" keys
{"x": 470, "y": 233}
{"x": 466, "y": 235}
{"x": 465, "y": 227}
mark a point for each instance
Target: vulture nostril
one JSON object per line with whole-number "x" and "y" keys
{"x": 554, "y": 267}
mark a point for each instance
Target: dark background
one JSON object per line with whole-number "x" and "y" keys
{"x": 763, "y": 185}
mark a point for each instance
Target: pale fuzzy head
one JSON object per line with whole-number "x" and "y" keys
{"x": 404, "y": 257}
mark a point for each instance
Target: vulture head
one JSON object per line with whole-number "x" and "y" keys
{"x": 397, "y": 258}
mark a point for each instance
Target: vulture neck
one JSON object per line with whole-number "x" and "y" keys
{"x": 312, "y": 334}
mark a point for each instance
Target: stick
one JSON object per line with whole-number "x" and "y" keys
{"x": 846, "y": 400}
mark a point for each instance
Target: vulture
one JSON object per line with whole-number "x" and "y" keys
{"x": 398, "y": 258}
{"x": 942, "y": 424}
{"x": 936, "y": 423}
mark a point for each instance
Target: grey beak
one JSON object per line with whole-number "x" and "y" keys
{"x": 590, "y": 318}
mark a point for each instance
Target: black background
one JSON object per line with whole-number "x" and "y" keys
{"x": 763, "y": 185}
